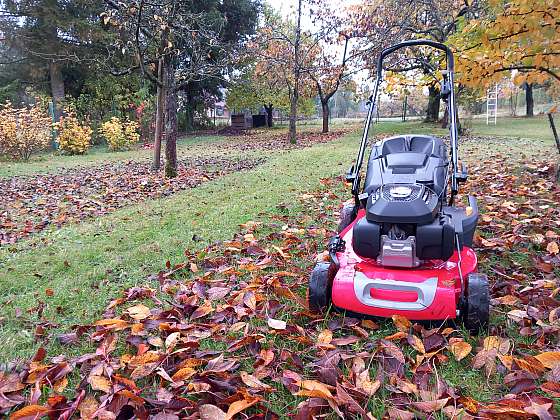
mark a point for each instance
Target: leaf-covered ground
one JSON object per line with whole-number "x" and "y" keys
{"x": 32, "y": 203}
{"x": 227, "y": 333}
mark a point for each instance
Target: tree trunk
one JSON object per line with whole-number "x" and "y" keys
{"x": 326, "y": 113}
{"x": 293, "y": 118}
{"x": 170, "y": 122}
{"x": 432, "y": 114}
{"x": 445, "y": 119}
{"x": 530, "y": 104}
{"x": 57, "y": 88}
{"x": 296, "y": 72}
{"x": 269, "y": 116}
{"x": 160, "y": 112}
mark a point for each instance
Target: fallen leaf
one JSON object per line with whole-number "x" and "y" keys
{"x": 402, "y": 323}
{"x": 252, "y": 382}
{"x": 138, "y": 312}
{"x": 549, "y": 359}
{"x": 211, "y": 412}
{"x": 324, "y": 337}
{"x": 276, "y": 324}
{"x": 553, "y": 248}
{"x": 100, "y": 383}
{"x": 30, "y": 412}
{"x": 240, "y": 405}
{"x": 460, "y": 349}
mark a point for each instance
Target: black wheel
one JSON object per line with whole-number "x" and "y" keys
{"x": 320, "y": 286}
{"x": 347, "y": 216}
{"x": 476, "y": 312}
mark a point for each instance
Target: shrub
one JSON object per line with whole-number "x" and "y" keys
{"x": 120, "y": 135}
{"x": 23, "y": 131}
{"x": 73, "y": 138}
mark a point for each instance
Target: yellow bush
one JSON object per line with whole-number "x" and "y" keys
{"x": 120, "y": 135}
{"x": 23, "y": 131}
{"x": 73, "y": 137}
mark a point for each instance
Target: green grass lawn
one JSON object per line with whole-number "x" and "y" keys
{"x": 533, "y": 128}
{"x": 190, "y": 146}
{"x": 97, "y": 155}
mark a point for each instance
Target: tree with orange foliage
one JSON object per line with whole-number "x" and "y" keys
{"x": 521, "y": 37}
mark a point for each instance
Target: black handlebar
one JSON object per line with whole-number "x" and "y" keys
{"x": 415, "y": 43}
{"x": 453, "y": 129}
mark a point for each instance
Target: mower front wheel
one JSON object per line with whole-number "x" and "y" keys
{"x": 476, "y": 313}
{"x": 320, "y": 284}
{"x": 347, "y": 216}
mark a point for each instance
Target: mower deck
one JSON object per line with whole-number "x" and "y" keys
{"x": 429, "y": 292}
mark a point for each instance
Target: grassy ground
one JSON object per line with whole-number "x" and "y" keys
{"x": 67, "y": 276}
{"x": 84, "y": 264}
{"x": 533, "y": 128}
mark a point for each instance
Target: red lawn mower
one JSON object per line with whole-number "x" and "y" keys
{"x": 402, "y": 247}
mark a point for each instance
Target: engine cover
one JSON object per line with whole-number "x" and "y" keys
{"x": 402, "y": 203}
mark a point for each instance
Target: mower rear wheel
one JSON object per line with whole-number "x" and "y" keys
{"x": 476, "y": 313}
{"x": 320, "y": 287}
{"x": 347, "y": 216}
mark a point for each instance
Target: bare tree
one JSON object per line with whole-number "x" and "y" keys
{"x": 376, "y": 24}
{"x": 172, "y": 46}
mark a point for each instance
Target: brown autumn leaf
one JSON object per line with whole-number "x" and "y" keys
{"x": 114, "y": 324}
{"x": 324, "y": 337}
{"x": 549, "y": 359}
{"x": 430, "y": 406}
{"x": 398, "y": 414}
{"x": 138, "y": 312}
{"x": 240, "y": 405}
{"x": 416, "y": 343}
{"x": 100, "y": 383}
{"x": 552, "y": 248}
{"x": 211, "y": 412}
{"x": 203, "y": 310}
{"x": 254, "y": 383}
{"x": 276, "y": 324}
{"x": 87, "y": 407}
{"x": 10, "y": 382}
{"x": 402, "y": 323}
{"x": 542, "y": 411}
{"x": 551, "y": 388}
{"x": 460, "y": 349}
{"x": 311, "y": 388}
{"x": 30, "y": 412}
{"x": 183, "y": 374}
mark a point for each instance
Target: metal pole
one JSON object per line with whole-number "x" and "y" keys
{"x": 554, "y": 132}
{"x": 487, "y": 105}
{"x": 454, "y": 134}
{"x": 53, "y": 130}
{"x": 496, "y": 107}
{"x": 363, "y": 143}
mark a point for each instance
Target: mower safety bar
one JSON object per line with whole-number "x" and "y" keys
{"x": 453, "y": 128}
{"x": 426, "y": 292}
{"x": 414, "y": 43}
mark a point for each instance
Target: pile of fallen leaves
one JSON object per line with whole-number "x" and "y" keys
{"x": 228, "y": 332}
{"x": 32, "y": 203}
{"x": 275, "y": 142}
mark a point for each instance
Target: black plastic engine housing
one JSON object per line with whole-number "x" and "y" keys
{"x": 402, "y": 203}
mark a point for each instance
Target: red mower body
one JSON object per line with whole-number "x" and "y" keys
{"x": 429, "y": 292}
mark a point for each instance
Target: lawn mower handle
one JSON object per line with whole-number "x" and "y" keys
{"x": 453, "y": 130}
